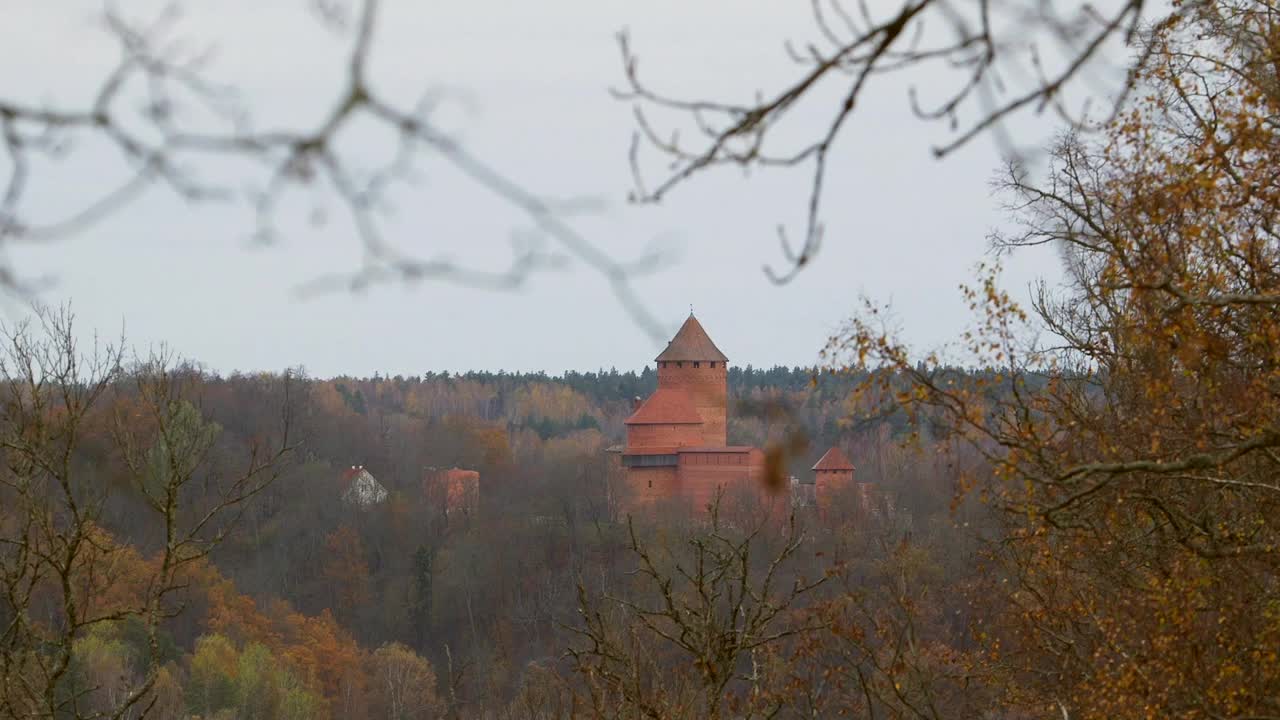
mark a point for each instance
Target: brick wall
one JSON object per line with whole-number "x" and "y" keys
{"x": 650, "y": 485}
{"x": 663, "y": 435}
{"x": 702, "y": 473}
{"x": 708, "y": 387}
{"x": 835, "y": 493}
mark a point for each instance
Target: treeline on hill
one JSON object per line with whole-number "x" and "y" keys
{"x": 283, "y": 599}
{"x": 494, "y": 589}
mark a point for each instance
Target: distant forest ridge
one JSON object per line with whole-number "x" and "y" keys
{"x": 612, "y": 384}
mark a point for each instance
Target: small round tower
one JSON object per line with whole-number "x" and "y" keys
{"x": 692, "y": 364}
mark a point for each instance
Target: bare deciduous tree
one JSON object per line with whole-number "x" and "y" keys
{"x": 189, "y": 123}
{"x": 990, "y": 45}
{"x": 57, "y": 564}
{"x": 996, "y": 50}
{"x": 685, "y": 644}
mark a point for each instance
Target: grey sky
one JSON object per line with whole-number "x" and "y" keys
{"x": 531, "y": 85}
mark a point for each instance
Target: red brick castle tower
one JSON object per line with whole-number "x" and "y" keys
{"x": 677, "y": 447}
{"x": 694, "y": 365}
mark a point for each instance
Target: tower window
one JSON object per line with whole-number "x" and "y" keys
{"x": 650, "y": 483}
{"x": 713, "y": 364}
{"x": 697, "y": 364}
{"x": 679, "y": 363}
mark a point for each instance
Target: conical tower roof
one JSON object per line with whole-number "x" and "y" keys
{"x": 691, "y": 343}
{"x": 835, "y": 459}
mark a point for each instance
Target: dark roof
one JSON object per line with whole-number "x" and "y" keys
{"x": 666, "y": 407}
{"x": 651, "y": 450}
{"x": 835, "y": 459}
{"x": 691, "y": 343}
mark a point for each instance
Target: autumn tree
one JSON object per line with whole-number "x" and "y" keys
{"x": 685, "y": 641}
{"x": 106, "y": 667}
{"x": 63, "y": 576}
{"x": 347, "y": 571}
{"x": 894, "y": 639}
{"x": 1133, "y": 454}
{"x": 212, "y": 675}
{"x": 402, "y": 685}
{"x": 246, "y": 683}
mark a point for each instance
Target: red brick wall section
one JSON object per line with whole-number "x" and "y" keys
{"x": 833, "y": 490}
{"x": 650, "y": 485}
{"x": 708, "y": 387}
{"x": 663, "y": 435}
{"x": 692, "y": 485}
{"x": 702, "y": 473}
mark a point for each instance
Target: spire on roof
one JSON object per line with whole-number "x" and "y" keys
{"x": 691, "y": 343}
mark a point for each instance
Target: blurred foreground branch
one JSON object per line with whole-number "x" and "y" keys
{"x": 1043, "y": 46}
{"x": 162, "y": 147}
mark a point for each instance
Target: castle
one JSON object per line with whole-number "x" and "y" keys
{"x": 677, "y": 444}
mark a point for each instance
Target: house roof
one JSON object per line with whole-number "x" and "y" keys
{"x": 349, "y": 475}
{"x": 666, "y": 406}
{"x": 691, "y": 343}
{"x": 835, "y": 459}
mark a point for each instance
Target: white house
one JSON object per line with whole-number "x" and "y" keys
{"x": 359, "y": 487}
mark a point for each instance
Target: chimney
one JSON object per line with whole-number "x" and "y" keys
{"x": 635, "y": 402}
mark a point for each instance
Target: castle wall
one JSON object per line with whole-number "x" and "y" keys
{"x": 649, "y": 485}
{"x": 835, "y": 493}
{"x": 701, "y": 473}
{"x": 708, "y": 387}
{"x": 666, "y": 435}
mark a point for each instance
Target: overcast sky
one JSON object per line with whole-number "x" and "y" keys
{"x": 531, "y": 81}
